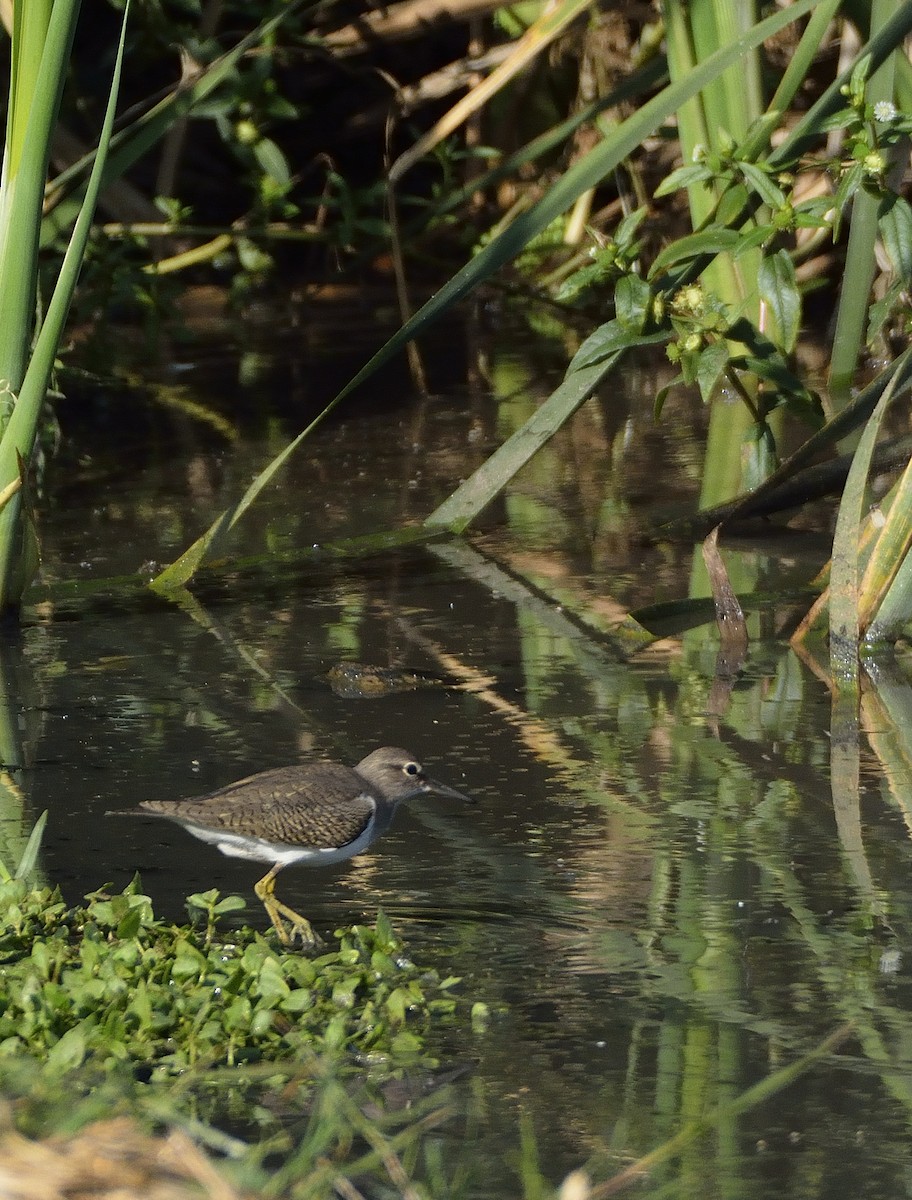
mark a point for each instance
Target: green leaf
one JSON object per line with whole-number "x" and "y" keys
{"x": 608, "y": 339}
{"x": 626, "y": 231}
{"x": 779, "y": 291}
{"x": 758, "y": 179}
{"x": 695, "y": 245}
{"x": 848, "y": 186}
{"x": 895, "y": 225}
{"x": 30, "y": 854}
{"x": 632, "y": 302}
{"x": 662, "y": 396}
{"x": 711, "y": 363}
{"x": 131, "y": 924}
{"x": 751, "y": 239}
{"x": 272, "y": 161}
{"x": 69, "y": 1052}
{"x": 683, "y": 177}
{"x": 759, "y": 458}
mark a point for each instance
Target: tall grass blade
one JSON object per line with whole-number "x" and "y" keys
{"x": 461, "y": 508}
{"x": 19, "y": 436}
{"x": 860, "y": 264}
{"x": 39, "y": 71}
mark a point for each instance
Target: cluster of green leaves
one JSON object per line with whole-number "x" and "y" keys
{"x": 611, "y": 258}
{"x": 875, "y": 136}
{"x": 109, "y": 982}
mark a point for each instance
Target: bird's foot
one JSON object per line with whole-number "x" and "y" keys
{"x": 291, "y": 926}
{"x": 297, "y": 926}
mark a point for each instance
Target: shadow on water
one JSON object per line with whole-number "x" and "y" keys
{"x": 657, "y": 901}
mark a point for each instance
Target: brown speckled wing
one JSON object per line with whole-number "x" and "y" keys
{"x": 308, "y": 806}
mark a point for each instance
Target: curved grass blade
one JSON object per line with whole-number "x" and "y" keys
{"x": 844, "y": 571}
{"x": 878, "y": 620}
{"x": 29, "y": 857}
{"x": 585, "y": 174}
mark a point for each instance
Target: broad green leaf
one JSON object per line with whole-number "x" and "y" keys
{"x": 759, "y": 455}
{"x": 779, "y": 291}
{"x": 67, "y": 1053}
{"x": 711, "y": 363}
{"x": 895, "y": 225}
{"x": 632, "y": 303}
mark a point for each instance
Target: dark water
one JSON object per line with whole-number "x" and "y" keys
{"x": 654, "y": 896}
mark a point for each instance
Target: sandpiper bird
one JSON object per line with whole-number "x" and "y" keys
{"x": 316, "y": 813}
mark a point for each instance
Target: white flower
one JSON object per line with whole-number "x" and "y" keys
{"x": 885, "y": 112}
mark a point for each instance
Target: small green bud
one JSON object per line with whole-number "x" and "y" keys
{"x": 246, "y": 133}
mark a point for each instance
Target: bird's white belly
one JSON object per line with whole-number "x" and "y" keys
{"x": 259, "y": 850}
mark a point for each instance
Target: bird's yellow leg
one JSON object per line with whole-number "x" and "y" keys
{"x": 300, "y": 926}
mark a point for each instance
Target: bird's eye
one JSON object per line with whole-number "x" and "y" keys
{"x": 412, "y": 768}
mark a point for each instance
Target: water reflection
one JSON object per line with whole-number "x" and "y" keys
{"x": 659, "y": 903}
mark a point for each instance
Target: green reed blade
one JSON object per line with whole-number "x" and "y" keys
{"x": 40, "y": 65}
{"x": 18, "y": 438}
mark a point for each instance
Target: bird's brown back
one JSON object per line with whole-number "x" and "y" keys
{"x": 322, "y": 804}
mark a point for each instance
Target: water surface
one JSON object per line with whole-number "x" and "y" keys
{"x": 655, "y": 895}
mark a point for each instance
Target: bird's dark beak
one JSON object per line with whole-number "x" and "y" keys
{"x": 441, "y": 789}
